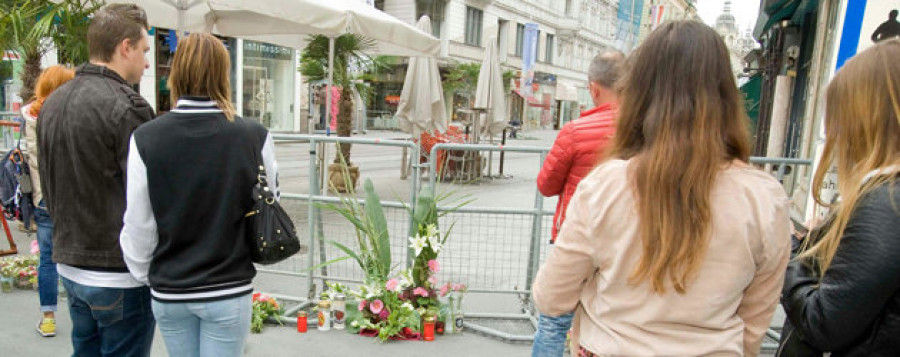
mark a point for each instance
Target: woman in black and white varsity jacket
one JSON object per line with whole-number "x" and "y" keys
{"x": 190, "y": 175}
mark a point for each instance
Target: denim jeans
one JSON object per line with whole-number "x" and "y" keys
{"x": 550, "y": 338}
{"x": 213, "y": 328}
{"x": 48, "y": 279}
{"x": 110, "y": 321}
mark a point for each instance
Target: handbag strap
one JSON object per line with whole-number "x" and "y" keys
{"x": 261, "y": 166}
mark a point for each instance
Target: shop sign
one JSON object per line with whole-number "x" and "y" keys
{"x": 264, "y": 50}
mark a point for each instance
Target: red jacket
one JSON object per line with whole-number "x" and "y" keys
{"x": 574, "y": 155}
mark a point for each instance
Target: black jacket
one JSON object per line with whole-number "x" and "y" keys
{"x": 855, "y": 309}
{"x": 200, "y": 171}
{"x": 83, "y": 134}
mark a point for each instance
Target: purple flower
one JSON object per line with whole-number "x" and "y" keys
{"x": 384, "y": 314}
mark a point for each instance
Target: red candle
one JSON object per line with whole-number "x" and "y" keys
{"x": 428, "y": 332}
{"x": 301, "y": 321}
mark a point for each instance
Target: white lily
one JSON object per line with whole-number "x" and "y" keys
{"x": 417, "y": 243}
{"x": 431, "y": 230}
{"x": 435, "y": 243}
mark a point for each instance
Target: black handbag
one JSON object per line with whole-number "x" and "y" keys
{"x": 270, "y": 232}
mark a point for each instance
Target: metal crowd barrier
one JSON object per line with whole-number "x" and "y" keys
{"x": 495, "y": 250}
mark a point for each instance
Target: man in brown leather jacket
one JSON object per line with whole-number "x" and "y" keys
{"x": 83, "y": 133}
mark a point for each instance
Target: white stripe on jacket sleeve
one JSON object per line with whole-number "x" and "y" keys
{"x": 139, "y": 235}
{"x": 268, "y": 156}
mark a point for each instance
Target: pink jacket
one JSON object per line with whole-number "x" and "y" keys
{"x": 574, "y": 155}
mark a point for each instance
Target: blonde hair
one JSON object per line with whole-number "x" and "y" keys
{"x": 201, "y": 68}
{"x": 50, "y": 79}
{"x": 862, "y": 134}
{"x": 680, "y": 122}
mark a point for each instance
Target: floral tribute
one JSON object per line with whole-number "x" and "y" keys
{"x": 20, "y": 271}
{"x": 264, "y": 306}
{"x": 392, "y": 306}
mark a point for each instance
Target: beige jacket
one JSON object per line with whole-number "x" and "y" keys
{"x": 726, "y": 308}
{"x": 31, "y": 152}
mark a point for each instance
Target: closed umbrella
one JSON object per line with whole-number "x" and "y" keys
{"x": 422, "y": 106}
{"x": 489, "y": 93}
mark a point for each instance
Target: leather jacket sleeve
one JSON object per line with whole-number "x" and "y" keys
{"x": 836, "y": 312}
{"x": 139, "y": 112}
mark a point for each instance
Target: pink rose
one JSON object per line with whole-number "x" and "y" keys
{"x": 433, "y": 280}
{"x": 459, "y": 287}
{"x": 362, "y": 305}
{"x": 445, "y": 289}
{"x": 376, "y": 306}
{"x": 384, "y": 314}
{"x": 433, "y": 265}
{"x": 420, "y": 291}
{"x": 391, "y": 285}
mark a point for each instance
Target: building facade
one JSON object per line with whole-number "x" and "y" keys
{"x": 656, "y": 12}
{"x": 570, "y": 34}
{"x": 739, "y": 43}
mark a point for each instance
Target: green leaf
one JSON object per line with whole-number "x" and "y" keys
{"x": 330, "y": 262}
{"x": 349, "y": 252}
{"x": 377, "y": 224}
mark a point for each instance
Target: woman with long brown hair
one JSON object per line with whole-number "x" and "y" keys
{"x": 842, "y": 293}
{"x": 48, "y": 279}
{"x": 190, "y": 176}
{"x": 675, "y": 245}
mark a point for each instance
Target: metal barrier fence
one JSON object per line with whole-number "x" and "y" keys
{"x": 495, "y": 250}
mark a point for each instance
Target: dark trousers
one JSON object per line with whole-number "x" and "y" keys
{"x": 110, "y": 321}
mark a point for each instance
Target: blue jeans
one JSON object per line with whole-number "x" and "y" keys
{"x": 550, "y": 338}
{"x": 48, "y": 279}
{"x": 110, "y": 321}
{"x": 213, "y": 328}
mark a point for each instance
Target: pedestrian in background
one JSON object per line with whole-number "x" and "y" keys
{"x": 190, "y": 176}
{"x": 842, "y": 293}
{"x": 675, "y": 245}
{"x": 48, "y": 278}
{"x": 82, "y": 137}
{"x": 575, "y": 152}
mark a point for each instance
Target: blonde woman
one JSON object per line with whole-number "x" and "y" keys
{"x": 842, "y": 293}
{"x": 48, "y": 278}
{"x": 190, "y": 175}
{"x": 675, "y": 246}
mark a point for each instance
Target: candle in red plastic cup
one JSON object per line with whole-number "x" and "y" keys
{"x": 301, "y": 321}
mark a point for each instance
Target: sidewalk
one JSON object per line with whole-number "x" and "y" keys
{"x": 20, "y": 314}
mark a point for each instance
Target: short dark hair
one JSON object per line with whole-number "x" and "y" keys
{"x": 112, "y": 24}
{"x": 606, "y": 68}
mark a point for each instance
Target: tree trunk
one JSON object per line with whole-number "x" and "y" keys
{"x": 345, "y": 124}
{"x": 30, "y": 75}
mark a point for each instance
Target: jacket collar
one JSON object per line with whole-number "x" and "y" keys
{"x": 601, "y": 108}
{"x": 93, "y": 69}
{"x": 194, "y": 104}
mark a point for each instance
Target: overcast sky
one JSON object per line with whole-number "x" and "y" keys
{"x": 744, "y": 11}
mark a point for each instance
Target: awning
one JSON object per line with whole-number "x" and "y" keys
{"x": 566, "y": 91}
{"x": 751, "y": 92}
{"x": 531, "y": 100}
{"x": 793, "y": 10}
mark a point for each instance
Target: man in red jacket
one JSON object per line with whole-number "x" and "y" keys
{"x": 574, "y": 154}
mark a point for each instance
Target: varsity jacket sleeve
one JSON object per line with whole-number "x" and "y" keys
{"x": 268, "y": 156}
{"x": 552, "y": 178}
{"x": 139, "y": 233}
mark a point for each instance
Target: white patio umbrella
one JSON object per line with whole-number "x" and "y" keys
{"x": 489, "y": 93}
{"x": 421, "y": 106}
{"x": 289, "y": 22}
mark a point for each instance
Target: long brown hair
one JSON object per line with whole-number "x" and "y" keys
{"x": 200, "y": 68}
{"x": 50, "y": 79}
{"x": 680, "y": 122}
{"x": 862, "y": 134}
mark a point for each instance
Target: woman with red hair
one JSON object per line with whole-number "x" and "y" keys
{"x": 48, "y": 285}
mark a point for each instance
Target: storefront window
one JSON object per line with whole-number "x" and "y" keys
{"x": 268, "y": 86}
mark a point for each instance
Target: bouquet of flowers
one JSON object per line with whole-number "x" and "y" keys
{"x": 264, "y": 306}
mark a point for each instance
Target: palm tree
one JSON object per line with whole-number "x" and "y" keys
{"x": 29, "y": 26}
{"x": 349, "y": 50}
